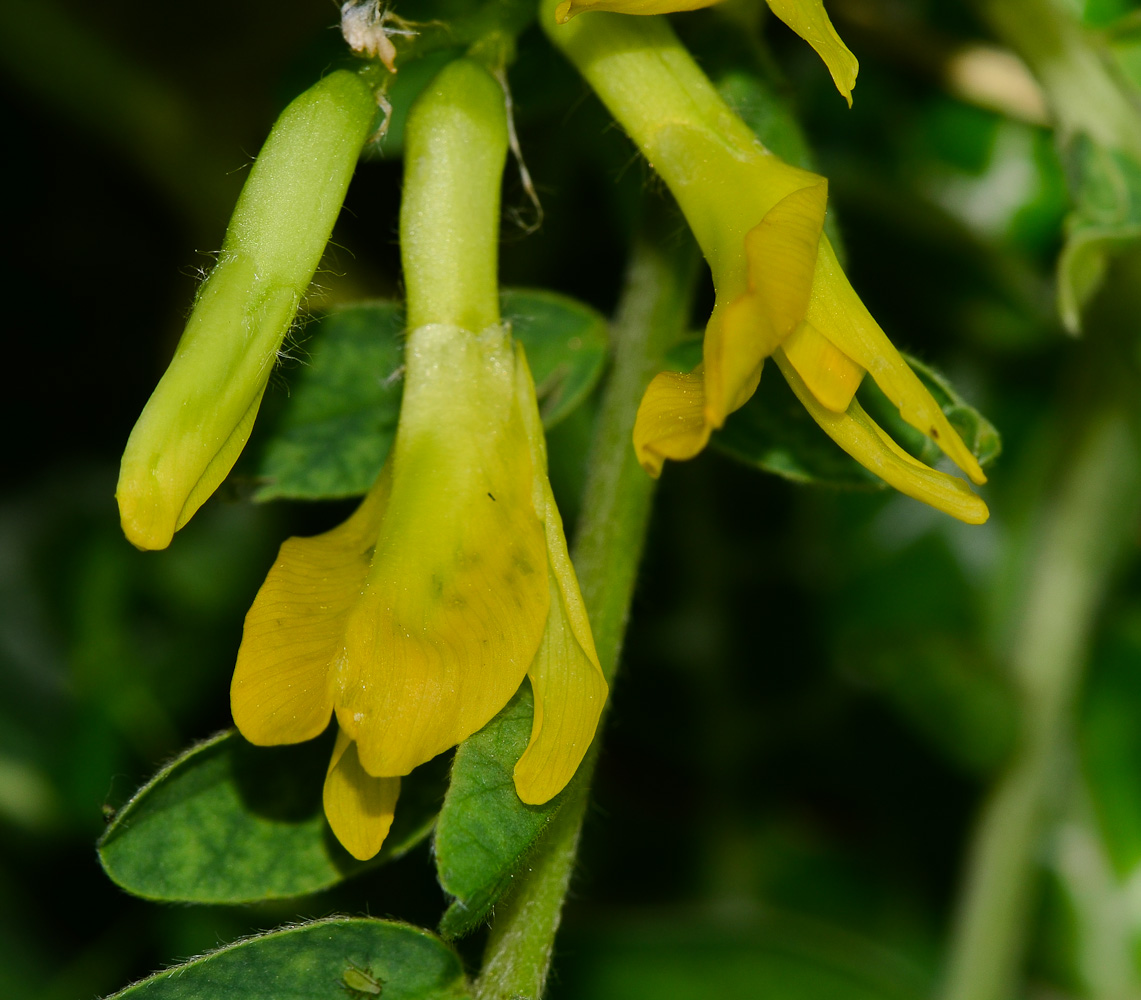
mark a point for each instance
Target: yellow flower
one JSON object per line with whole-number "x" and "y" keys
{"x": 806, "y": 17}
{"x": 799, "y": 307}
{"x": 416, "y": 620}
{"x": 780, "y": 289}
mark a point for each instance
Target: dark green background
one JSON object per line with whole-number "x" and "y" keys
{"x": 808, "y": 711}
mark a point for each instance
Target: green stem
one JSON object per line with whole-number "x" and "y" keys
{"x": 652, "y": 317}
{"x": 612, "y": 528}
{"x": 1084, "y": 527}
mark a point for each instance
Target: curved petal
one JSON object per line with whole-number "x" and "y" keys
{"x": 671, "y": 419}
{"x": 359, "y": 807}
{"x": 295, "y": 629}
{"x": 570, "y": 693}
{"x": 838, "y": 314}
{"x": 861, "y": 437}
{"x": 831, "y": 376}
{"x": 566, "y": 678}
{"x": 781, "y": 252}
{"x": 809, "y": 20}
{"x": 456, "y": 600}
{"x": 569, "y": 8}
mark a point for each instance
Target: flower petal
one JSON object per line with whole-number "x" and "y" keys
{"x": 838, "y": 314}
{"x": 566, "y": 678}
{"x": 456, "y": 599}
{"x": 809, "y": 20}
{"x": 358, "y": 806}
{"x": 831, "y": 376}
{"x": 671, "y": 419}
{"x": 569, "y": 691}
{"x": 295, "y": 629}
{"x": 781, "y": 252}
{"x": 569, "y": 8}
{"x": 860, "y": 437}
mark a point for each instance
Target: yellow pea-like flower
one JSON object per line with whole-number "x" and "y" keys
{"x": 416, "y": 620}
{"x": 807, "y": 18}
{"x": 780, "y": 290}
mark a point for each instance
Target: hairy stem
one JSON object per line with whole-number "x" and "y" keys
{"x": 612, "y": 528}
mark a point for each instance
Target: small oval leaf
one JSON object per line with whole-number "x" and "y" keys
{"x": 334, "y": 431}
{"x": 339, "y": 957}
{"x": 337, "y": 426}
{"x": 228, "y": 822}
{"x": 566, "y": 344}
{"x": 484, "y": 832}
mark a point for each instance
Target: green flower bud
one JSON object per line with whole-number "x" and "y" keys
{"x": 199, "y": 417}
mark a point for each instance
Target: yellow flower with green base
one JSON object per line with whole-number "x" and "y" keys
{"x": 416, "y": 620}
{"x": 780, "y": 291}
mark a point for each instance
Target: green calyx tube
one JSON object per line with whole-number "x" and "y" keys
{"x": 456, "y": 146}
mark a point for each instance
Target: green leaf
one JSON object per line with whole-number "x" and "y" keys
{"x": 1105, "y": 185}
{"x": 334, "y": 959}
{"x": 337, "y": 426}
{"x": 228, "y": 822}
{"x": 978, "y": 433}
{"x": 484, "y": 832}
{"x": 566, "y": 344}
{"x": 339, "y": 422}
{"x": 775, "y": 433}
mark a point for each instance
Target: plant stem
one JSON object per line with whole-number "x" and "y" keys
{"x": 612, "y": 528}
{"x": 1084, "y": 525}
{"x": 652, "y": 317}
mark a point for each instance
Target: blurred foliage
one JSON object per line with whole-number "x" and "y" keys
{"x": 814, "y": 698}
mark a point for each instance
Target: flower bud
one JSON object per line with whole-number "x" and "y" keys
{"x": 199, "y": 417}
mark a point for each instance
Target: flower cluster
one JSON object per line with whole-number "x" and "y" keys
{"x": 414, "y": 622}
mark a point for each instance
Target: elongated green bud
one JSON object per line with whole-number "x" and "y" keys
{"x": 199, "y": 417}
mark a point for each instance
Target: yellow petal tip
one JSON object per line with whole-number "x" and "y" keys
{"x": 359, "y": 807}
{"x": 671, "y": 420}
{"x": 809, "y": 20}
